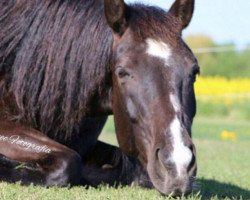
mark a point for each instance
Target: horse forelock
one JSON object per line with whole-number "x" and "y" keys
{"x": 152, "y": 22}
{"x": 61, "y": 53}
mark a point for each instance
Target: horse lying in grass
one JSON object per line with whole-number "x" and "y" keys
{"x": 66, "y": 65}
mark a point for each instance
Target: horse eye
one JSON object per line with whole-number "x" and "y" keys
{"x": 121, "y": 72}
{"x": 195, "y": 71}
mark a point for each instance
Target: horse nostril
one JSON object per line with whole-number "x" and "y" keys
{"x": 191, "y": 164}
{"x": 193, "y": 159}
{"x": 163, "y": 159}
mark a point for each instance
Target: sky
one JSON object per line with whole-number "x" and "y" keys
{"x": 224, "y": 20}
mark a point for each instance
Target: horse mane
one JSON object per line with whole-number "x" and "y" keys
{"x": 54, "y": 54}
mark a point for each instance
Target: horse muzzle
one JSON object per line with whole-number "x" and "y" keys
{"x": 171, "y": 178}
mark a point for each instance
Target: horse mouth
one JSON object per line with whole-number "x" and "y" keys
{"x": 167, "y": 182}
{"x": 173, "y": 186}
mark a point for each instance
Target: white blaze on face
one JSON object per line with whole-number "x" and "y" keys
{"x": 181, "y": 154}
{"x": 158, "y": 49}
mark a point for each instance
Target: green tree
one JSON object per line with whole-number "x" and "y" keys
{"x": 219, "y": 59}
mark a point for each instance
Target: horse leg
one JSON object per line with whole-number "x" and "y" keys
{"x": 28, "y": 156}
{"x": 108, "y": 164}
{"x": 104, "y": 163}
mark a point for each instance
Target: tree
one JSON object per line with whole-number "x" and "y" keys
{"x": 228, "y": 62}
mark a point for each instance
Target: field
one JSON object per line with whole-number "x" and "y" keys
{"x": 221, "y": 133}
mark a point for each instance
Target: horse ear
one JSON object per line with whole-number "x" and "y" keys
{"x": 115, "y": 12}
{"x": 183, "y": 11}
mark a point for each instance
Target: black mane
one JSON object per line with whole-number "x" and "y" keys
{"x": 47, "y": 49}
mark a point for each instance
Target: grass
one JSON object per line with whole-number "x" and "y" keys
{"x": 238, "y": 110}
{"x": 223, "y": 169}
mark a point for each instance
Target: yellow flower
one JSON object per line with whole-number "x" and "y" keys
{"x": 228, "y": 135}
{"x": 220, "y": 89}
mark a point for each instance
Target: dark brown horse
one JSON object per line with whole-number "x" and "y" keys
{"x": 66, "y": 65}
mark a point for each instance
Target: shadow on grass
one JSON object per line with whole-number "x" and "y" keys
{"x": 211, "y": 188}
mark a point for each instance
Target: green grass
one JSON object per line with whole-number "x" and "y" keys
{"x": 237, "y": 110}
{"x": 223, "y": 169}
{"x": 210, "y": 128}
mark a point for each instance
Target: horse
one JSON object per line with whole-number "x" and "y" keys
{"x": 65, "y": 66}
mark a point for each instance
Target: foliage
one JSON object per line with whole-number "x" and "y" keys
{"x": 228, "y": 63}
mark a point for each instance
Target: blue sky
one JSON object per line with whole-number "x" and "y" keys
{"x": 223, "y": 20}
